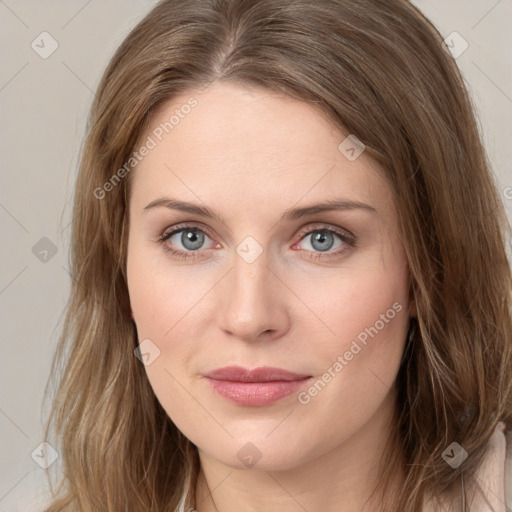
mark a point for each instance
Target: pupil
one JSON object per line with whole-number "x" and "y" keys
{"x": 191, "y": 239}
{"x": 322, "y": 237}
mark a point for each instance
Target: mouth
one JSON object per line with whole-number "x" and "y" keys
{"x": 258, "y": 387}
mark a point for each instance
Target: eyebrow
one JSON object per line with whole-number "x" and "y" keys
{"x": 290, "y": 214}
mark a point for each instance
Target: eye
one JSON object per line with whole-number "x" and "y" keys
{"x": 322, "y": 240}
{"x": 188, "y": 240}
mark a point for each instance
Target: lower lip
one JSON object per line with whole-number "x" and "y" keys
{"x": 256, "y": 394}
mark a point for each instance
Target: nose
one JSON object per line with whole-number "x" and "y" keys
{"x": 253, "y": 301}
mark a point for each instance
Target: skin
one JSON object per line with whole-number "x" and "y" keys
{"x": 250, "y": 154}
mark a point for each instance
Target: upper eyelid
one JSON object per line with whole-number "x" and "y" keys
{"x": 180, "y": 227}
{"x": 326, "y": 227}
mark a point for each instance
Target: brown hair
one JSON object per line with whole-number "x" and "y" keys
{"x": 377, "y": 69}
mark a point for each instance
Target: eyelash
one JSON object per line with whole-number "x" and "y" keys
{"x": 346, "y": 239}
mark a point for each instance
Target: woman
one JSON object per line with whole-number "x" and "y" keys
{"x": 291, "y": 289}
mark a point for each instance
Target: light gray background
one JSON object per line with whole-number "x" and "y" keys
{"x": 44, "y": 105}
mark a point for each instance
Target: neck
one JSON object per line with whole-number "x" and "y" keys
{"x": 341, "y": 480}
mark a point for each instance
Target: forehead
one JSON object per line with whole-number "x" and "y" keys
{"x": 242, "y": 145}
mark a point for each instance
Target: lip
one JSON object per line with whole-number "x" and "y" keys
{"x": 257, "y": 387}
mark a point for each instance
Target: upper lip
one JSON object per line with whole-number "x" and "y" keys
{"x": 261, "y": 374}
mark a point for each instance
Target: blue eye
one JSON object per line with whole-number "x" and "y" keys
{"x": 322, "y": 240}
{"x": 191, "y": 238}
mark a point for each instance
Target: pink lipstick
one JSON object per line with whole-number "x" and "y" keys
{"x": 257, "y": 387}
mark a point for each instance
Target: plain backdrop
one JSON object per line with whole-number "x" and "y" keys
{"x": 53, "y": 54}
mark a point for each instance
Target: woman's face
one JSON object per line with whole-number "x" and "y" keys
{"x": 231, "y": 263}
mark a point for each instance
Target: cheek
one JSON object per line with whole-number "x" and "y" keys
{"x": 358, "y": 301}
{"x": 158, "y": 302}
{"x": 157, "y": 295}
{"x": 164, "y": 301}
{"x": 368, "y": 312}
{"x": 365, "y": 312}
{"x": 365, "y": 346}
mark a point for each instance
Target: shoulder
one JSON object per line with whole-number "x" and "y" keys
{"x": 494, "y": 477}
{"x": 495, "y": 473}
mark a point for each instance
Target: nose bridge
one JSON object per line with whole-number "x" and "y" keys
{"x": 250, "y": 262}
{"x": 250, "y": 280}
{"x": 250, "y": 275}
{"x": 252, "y": 303}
